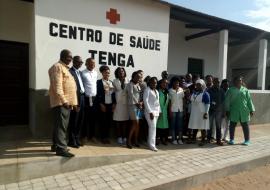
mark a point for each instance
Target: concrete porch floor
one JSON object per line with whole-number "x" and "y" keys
{"x": 31, "y": 158}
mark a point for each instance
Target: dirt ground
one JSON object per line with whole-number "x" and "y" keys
{"x": 257, "y": 179}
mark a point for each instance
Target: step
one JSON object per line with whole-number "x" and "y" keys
{"x": 32, "y": 159}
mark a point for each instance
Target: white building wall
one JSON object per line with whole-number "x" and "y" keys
{"x": 17, "y": 25}
{"x": 180, "y": 50}
{"x": 138, "y": 17}
{"x": 15, "y": 17}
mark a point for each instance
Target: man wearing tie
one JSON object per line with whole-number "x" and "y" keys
{"x": 76, "y": 116}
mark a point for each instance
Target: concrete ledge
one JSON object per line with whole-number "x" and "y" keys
{"x": 11, "y": 173}
{"x": 205, "y": 176}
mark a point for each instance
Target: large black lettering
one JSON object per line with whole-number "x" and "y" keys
{"x": 120, "y": 39}
{"x": 130, "y": 61}
{"x": 81, "y": 32}
{"x": 53, "y": 25}
{"x": 151, "y": 44}
{"x": 72, "y": 32}
{"x": 112, "y": 59}
{"x": 63, "y": 30}
{"x": 92, "y": 53}
{"x": 157, "y": 45}
{"x": 112, "y": 38}
{"x": 139, "y": 43}
{"x": 145, "y": 43}
{"x": 132, "y": 41}
{"x": 98, "y": 36}
{"x": 121, "y": 60}
{"x": 89, "y": 34}
{"x": 102, "y": 57}
{"x": 115, "y": 38}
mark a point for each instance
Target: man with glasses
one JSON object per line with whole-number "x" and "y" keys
{"x": 63, "y": 99}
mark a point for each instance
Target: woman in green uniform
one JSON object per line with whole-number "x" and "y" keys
{"x": 162, "y": 124}
{"x": 239, "y": 108}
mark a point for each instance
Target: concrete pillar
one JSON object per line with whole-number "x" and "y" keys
{"x": 262, "y": 64}
{"x": 222, "y": 54}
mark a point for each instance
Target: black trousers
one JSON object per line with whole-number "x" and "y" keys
{"x": 90, "y": 118}
{"x": 60, "y": 125}
{"x": 195, "y": 131}
{"x": 217, "y": 118}
{"x": 76, "y": 123}
{"x": 162, "y": 134}
{"x": 245, "y": 127}
{"x": 105, "y": 122}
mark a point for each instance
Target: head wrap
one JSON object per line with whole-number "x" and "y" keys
{"x": 201, "y": 81}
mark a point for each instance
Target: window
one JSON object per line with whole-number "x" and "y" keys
{"x": 195, "y": 66}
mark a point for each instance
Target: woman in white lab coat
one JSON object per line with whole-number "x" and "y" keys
{"x": 200, "y": 104}
{"x": 152, "y": 110}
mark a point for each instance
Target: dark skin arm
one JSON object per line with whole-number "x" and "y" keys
{"x": 151, "y": 116}
{"x": 67, "y": 106}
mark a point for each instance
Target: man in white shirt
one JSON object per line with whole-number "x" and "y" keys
{"x": 89, "y": 78}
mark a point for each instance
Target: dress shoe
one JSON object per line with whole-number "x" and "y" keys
{"x": 129, "y": 146}
{"x": 79, "y": 143}
{"x": 73, "y": 145}
{"x": 219, "y": 143}
{"x": 64, "y": 154}
{"x": 137, "y": 145}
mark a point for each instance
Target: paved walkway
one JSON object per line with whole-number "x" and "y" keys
{"x": 144, "y": 173}
{"x": 30, "y": 150}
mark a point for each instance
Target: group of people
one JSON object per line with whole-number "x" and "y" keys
{"x": 142, "y": 109}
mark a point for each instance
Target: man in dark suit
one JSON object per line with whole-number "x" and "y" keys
{"x": 76, "y": 116}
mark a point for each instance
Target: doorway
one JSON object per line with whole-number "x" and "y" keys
{"x": 195, "y": 66}
{"x": 14, "y": 83}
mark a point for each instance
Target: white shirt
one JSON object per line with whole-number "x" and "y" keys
{"x": 108, "y": 88}
{"x": 176, "y": 98}
{"x": 151, "y": 101}
{"x": 89, "y": 79}
{"x": 80, "y": 79}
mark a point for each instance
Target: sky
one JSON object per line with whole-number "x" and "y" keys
{"x": 255, "y": 13}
